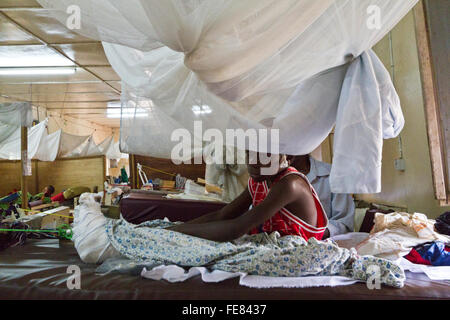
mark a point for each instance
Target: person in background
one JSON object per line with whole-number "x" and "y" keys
{"x": 339, "y": 207}
{"x": 41, "y": 198}
{"x": 15, "y": 198}
{"x": 46, "y": 193}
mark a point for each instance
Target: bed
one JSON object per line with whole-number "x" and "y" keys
{"x": 138, "y": 207}
{"x": 38, "y": 270}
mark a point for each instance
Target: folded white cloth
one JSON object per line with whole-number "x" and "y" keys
{"x": 432, "y": 272}
{"x": 173, "y": 273}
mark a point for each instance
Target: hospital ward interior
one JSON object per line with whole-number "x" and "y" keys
{"x": 224, "y": 150}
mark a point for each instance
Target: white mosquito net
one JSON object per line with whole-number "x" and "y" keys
{"x": 10, "y": 148}
{"x": 13, "y": 116}
{"x": 88, "y": 148}
{"x": 111, "y": 149}
{"x": 301, "y": 67}
{"x": 48, "y": 147}
{"x": 69, "y": 143}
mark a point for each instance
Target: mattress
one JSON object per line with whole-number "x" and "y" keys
{"x": 38, "y": 270}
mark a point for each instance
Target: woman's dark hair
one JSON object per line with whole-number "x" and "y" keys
{"x": 50, "y": 189}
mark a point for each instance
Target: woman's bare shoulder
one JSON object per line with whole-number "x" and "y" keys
{"x": 294, "y": 185}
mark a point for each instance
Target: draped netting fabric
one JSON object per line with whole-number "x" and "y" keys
{"x": 12, "y": 117}
{"x": 232, "y": 178}
{"x": 69, "y": 143}
{"x": 88, "y": 148}
{"x": 299, "y": 66}
{"x": 48, "y": 147}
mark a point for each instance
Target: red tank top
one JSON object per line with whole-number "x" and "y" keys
{"x": 284, "y": 221}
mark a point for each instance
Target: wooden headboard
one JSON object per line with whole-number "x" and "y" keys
{"x": 61, "y": 173}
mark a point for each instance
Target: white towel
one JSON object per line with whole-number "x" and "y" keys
{"x": 173, "y": 273}
{"x": 432, "y": 272}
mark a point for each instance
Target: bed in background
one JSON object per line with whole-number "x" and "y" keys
{"x": 138, "y": 207}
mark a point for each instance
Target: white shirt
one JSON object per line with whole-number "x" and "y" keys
{"x": 339, "y": 207}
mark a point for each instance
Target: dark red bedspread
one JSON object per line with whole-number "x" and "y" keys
{"x": 140, "y": 207}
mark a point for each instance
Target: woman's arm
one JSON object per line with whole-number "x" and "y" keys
{"x": 232, "y": 210}
{"x": 288, "y": 190}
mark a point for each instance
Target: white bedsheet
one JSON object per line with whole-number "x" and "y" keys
{"x": 173, "y": 273}
{"x": 432, "y": 272}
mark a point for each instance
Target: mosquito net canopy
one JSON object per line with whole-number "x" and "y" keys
{"x": 13, "y": 116}
{"x": 298, "y": 68}
{"x": 48, "y": 147}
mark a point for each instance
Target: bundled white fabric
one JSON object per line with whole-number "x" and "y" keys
{"x": 89, "y": 235}
{"x": 274, "y": 64}
{"x": 395, "y": 234}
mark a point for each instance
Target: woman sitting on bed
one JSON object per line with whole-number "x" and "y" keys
{"x": 284, "y": 201}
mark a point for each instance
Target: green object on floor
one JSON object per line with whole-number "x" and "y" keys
{"x": 64, "y": 231}
{"x": 19, "y": 200}
{"x": 124, "y": 174}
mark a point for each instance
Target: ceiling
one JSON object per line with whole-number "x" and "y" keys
{"x": 30, "y": 37}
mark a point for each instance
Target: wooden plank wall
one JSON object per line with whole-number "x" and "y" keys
{"x": 10, "y": 172}
{"x": 62, "y": 174}
{"x": 66, "y": 173}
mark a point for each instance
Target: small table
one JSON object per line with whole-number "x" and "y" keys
{"x": 138, "y": 207}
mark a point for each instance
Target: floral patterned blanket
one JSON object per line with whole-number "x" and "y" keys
{"x": 262, "y": 254}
